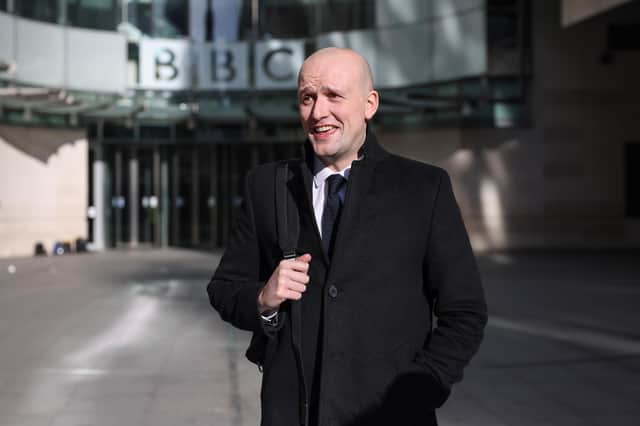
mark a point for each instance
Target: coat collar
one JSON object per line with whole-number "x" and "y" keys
{"x": 362, "y": 170}
{"x": 370, "y": 151}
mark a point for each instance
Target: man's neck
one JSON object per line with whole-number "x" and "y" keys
{"x": 339, "y": 164}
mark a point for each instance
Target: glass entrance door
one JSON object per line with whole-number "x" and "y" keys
{"x": 181, "y": 195}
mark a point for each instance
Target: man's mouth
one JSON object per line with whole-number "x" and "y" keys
{"x": 320, "y": 130}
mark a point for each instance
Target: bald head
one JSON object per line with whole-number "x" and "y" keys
{"x": 342, "y": 57}
{"x": 336, "y": 101}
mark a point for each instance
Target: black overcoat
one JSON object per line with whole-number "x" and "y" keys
{"x": 403, "y": 308}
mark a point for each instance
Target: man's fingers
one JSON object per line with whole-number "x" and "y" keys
{"x": 288, "y": 293}
{"x": 295, "y": 265}
{"x": 299, "y": 277}
{"x": 285, "y": 290}
{"x": 300, "y": 266}
{"x": 288, "y": 284}
{"x": 293, "y": 295}
{"x": 297, "y": 287}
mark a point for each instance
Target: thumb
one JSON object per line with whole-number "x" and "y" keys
{"x": 305, "y": 258}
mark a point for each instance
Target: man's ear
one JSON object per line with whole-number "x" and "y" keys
{"x": 373, "y": 100}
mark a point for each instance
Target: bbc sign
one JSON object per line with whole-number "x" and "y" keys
{"x": 181, "y": 65}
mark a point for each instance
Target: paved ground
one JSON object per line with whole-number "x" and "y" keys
{"x": 128, "y": 338}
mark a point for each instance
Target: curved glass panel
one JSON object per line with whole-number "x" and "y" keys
{"x": 39, "y": 53}
{"x": 41, "y": 10}
{"x": 309, "y": 18}
{"x": 7, "y": 53}
{"x": 94, "y": 14}
{"x": 200, "y": 20}
{"x": 219, "y": 20}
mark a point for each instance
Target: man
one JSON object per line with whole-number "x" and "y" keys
{"x": 382, "y": 249}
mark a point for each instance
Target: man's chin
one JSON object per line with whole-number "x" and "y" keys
{"x": 323, "y": 150}
{"x": 323, "y": 147}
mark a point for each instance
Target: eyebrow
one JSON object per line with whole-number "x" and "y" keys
{"x": 324, "y": 88}
{"x": 332, "y": 89}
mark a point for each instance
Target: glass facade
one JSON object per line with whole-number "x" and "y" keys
{"x": 209, "y": 20}
{"x": 181, "y": 195}
{"x": 194, "y": 115}
{"x": 299, "y": 18}
{"x": 94, "y": 14}
{"x": 158, "y": 18}
{"x": 40, "y": 10}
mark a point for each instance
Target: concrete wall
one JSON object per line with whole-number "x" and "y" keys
{"x": 559, "y": 183}
{"x": 43, "y": 193}
{"x": 576, "y": 10}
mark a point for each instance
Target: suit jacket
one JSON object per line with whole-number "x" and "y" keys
{"x": 401, "y": 258}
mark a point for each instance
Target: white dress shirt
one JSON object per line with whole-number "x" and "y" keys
{"x": 319, "y": 189}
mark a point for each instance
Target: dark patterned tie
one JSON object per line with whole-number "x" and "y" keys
{"x": 330, "y": 215}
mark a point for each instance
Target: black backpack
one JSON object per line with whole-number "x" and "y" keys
{"x": 288, "y": 230}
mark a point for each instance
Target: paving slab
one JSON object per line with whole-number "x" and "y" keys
{"x": 128, "y": 338}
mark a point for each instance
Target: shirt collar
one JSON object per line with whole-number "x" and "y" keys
{"x": 322, "y": 172}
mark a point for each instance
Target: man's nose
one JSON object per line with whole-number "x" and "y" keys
{"x": 320, "y": 108}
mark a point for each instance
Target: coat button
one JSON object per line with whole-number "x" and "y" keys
{"x": 333, "y": 291}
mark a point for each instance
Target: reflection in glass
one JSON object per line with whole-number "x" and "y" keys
{"x": 41, "y": 10}
{"x": 169, "y": 19}
{"x": 94, "y": 14}
{"x": 154, "y": 18}
{"x": 308, "y": 18}
{"x": 213, "y": 20}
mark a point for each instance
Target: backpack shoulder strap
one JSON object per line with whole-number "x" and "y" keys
{"x": 287, "y": 221}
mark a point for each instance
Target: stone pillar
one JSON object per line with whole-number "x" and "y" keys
{"x": 98, "y": 170}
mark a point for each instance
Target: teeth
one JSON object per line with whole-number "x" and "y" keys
{"x": 323, "y": 128}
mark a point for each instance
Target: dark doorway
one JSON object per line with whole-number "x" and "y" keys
{"x": 632, "y": 177}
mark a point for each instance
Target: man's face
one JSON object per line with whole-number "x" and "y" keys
{"x": 334, "y": 105}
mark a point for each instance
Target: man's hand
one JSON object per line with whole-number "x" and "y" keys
{"x": 287, "y": 282}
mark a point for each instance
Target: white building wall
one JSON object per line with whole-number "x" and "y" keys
{"x": 43, "y": 195}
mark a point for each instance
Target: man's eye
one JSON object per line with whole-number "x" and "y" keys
{"x": 306, "y": 99}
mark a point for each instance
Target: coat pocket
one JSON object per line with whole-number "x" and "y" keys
{"x": 256, "y": 352}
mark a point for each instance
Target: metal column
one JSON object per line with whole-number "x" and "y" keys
{"x": 164, "y": 199}
{"x": 255, "y": 156}
{"x": 177, "y": 201}
{"x": 213, "y": 196}
{"x": 118, "y": 197}
{"x": 225, "y": 197}
{"x": 134, "y": 199}
{"x": 157, "y": 210}
{"x": 195, "y": 206}
{"x": 234, "y": 179}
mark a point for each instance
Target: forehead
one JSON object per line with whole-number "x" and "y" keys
{"x": 330, "y": 71}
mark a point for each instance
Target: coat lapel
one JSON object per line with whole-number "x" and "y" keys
{"x": 362, "y": 172}
{"x": 300, "y": 187}
{"x": 357, "y": 188}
